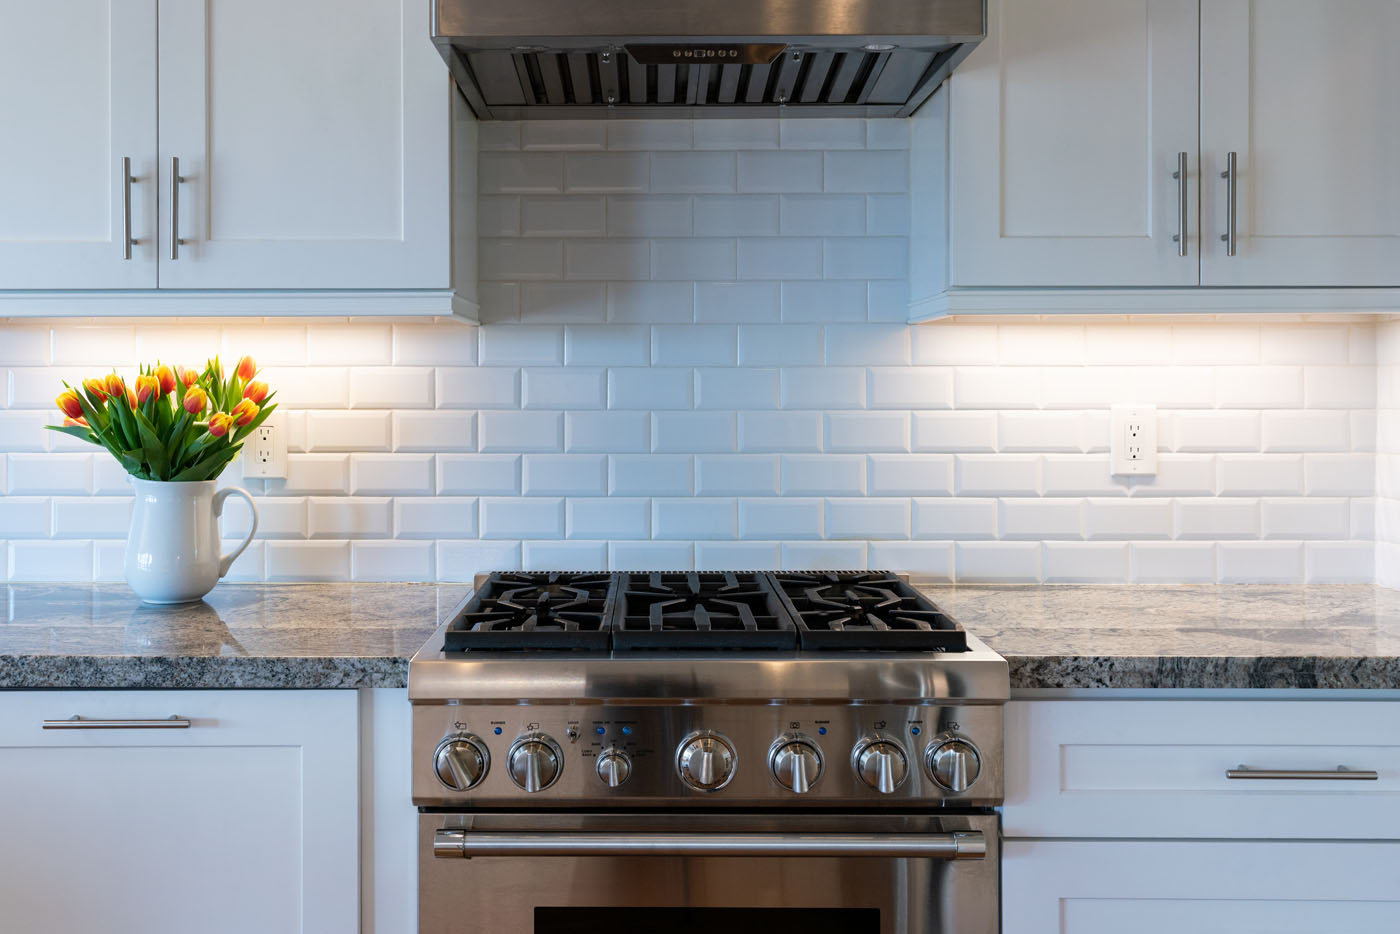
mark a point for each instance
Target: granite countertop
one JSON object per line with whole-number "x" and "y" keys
{"x": 240, "y": 636}
{"x": 362, "y": 635}
{"x": 1337, "y": 636}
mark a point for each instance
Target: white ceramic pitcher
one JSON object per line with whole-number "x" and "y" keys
{"x": 173, "y": 551}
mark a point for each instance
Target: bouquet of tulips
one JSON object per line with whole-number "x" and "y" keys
{"x": 173, "y": 424}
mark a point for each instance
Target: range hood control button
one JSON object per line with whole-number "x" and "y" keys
{"x": 534, "y": 762}
{"x": 461, "y": 762}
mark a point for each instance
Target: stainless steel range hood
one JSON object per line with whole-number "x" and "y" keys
{"x": 566, "y": 59}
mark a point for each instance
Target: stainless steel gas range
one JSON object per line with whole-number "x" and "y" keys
{"x": 695, "y": 751}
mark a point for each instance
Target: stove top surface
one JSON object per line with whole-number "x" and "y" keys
{"x": 700, "y": 612}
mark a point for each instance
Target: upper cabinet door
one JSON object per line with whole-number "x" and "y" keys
{"x": 1065, "y": 127}
{"x": 312, "y": 142}
{"x": 1304, "y": 93}
{"x": 77, "y": 97}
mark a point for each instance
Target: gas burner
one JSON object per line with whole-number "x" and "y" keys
{"x": 859, "y": 610}
{"x": 701, "y": 610}
{"x": 536, "y": 610}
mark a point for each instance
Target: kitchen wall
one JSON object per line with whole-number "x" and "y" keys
{"x": 692, "y": 355}
{"x": 1388, "y": 452}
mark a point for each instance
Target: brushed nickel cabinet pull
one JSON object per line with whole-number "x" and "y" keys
{"x": 175, "y": 181}
{"x": 127, "y": 240}
{"x": 1340, "y": 773}
{"x": 76, "y": 722}
{"x": 1181, "y": 205}
{"x": 1231, "y": 177}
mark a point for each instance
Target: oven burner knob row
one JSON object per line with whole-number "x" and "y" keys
{"x": 534, "y": 762}
{"x": 881, "y": 764}
{"x": 796, "y": 762}
{"x": 461, "y": 761}
{"x": 954, "y": 764}
{"x": 706, "y": 761}
{"x": 614, "y": 767}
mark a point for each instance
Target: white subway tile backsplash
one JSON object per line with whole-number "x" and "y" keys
{"x": 1339, "y": 562}
{"x": 780, "y": 518}
{"x": 434, "y": 517}
{"x": 780, "y": 345}
{"x": 1339, "y": 387}
{"x": 1216, "y": 518}
{"x": 737, "y": 556}
{"x": 51, "y": 561}
{"x": 520, "y": 173}
{"x": 650, "y": 388}
{"x": 561, "y": 134}
{"x": 955, "y": 518}
{"x": 738, "y": 474}
{"x": 521, "y": 259}
{"x": 350, "y": 517}
{"x": 103, "y": 346}
{"x": 334, "y": 345}
{"x": 777, "y": 172}
{"x": 651, "y": 556}
{"x": 651, "y": 302}
{"x": 1173, "y": 562}
{"x": 611, "y": 518}
{"x": 313, "y": 473}
{"x": 1014, "y": 562}
{"x": 811, "y": 302}
{"x": 972, "y": 432}
{"x": 823, "y": 215}
{"x": 564, "y": 388}
{"x": 867, "y": 172}
{"x": 823, "y": 475}
{"x": 400, "y": 387}
{"x": 603, "y": 432}
{"x": 347, "y": 431}
{"x": 692, "y": 432}
{"x": 309, "y": 387}
{"x": 927, "y": 559}
{"x": 829, "y": 133}
{"x": 911, "y": 388}
{"x": 1215, "y": 344}
{"x": 692, "y": 172}
{"x": 911, "y": 474}
{"x": 736, "y": 302}
{"x": 650, "y": 475}
{"x": 478, "y": 474}
{"x": 607, "y": 345}
{"x": 1082, "y": 475}
{"x": 694, "y": 518}
{"x": 997, "y": 388}
{"x": 1084, "y": 562}
{"x": 736, "y": 134}
{"x": 867, "y": 431}
{"x": 563, "y": 556}
{"x": 780, "y": 258}
{"x": 815, "y": 556}
{"x": 1296, "y": 518}
{"x": 478, "y": 388}
{"x": 498, "y": 216}
{"x": 446, "y": 344}
{"x": 1279, "y": 474}
{"x": 698, "y": 345}
{"x": 1339, "y": 474}
{"x": 26, "y": 516}
{"x": 606, "y": 259}
{"x": 954, "y": 345}
{"x": 762, "y": 432}
{"x": 25, "y": 432}
{"x": 58, "y": 474}
{"x": 1304, "y": 344}
{"x": 648, "y": 135}
{"x": 1112, "y": 519}
{"x": 1217, "y": 431}
{"x": 392, "y": 561}
{"x": 867, "y": 518}
{"x": 27, "y": 345}
{"x": 998, "y": 475}
{"x": 823, "y": 388}
{"x": 1306, "y": 431}
{"x": 521, "y": 518}
{"x": 307, "y": 561}
{"x": 565, "y": 474}
{"x": 650, "y": 216}
{"x": 1260, "y": 562}
{"x": 525, "y": 432}
{"x": 463, "y": 560}
{"x": 1040, "y": 519}
{"x": 734, "y": 216}
{"x": 687, "y": 260}
{"x": 562, "y": 217}
{"x": 391, "y": 474}
{"x": 865, "y": 258}
{"x": 1259, "y": 387}
{"x": 434, "y": 431}
{"x": 1058, "y": 432}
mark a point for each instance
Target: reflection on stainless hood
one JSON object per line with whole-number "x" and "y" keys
{"x": 565, "y": 59}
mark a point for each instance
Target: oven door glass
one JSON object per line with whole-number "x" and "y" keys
{"x": 520, "y": 877}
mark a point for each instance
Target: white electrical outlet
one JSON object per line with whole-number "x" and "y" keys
{"x": 264, "y": 452}
{"x": 1133, "y": 440}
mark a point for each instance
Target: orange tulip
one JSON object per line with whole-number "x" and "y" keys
{"x": 131, "y": 398}
{"x": 70, "y": 404}
{"x": 147, "y": 386}
{"x": 244, "y": 412}
{"x": 188, "y": 376}
{"x": 96, "y": 388}
{"x": 246, "y": 368}
{"x": 166, "y": 377}
{"x": 68, "y": 422}
{"x": 257, "y": 391}
{"x": 195, "y": 400}
{"x": 115, "y": 386}
{"x": 220, "y": 423}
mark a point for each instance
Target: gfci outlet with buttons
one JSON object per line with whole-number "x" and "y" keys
{"x": 1133, "y": 440}
{"x": 264, "y": 452}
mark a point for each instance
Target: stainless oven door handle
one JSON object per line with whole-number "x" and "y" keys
{"x": 463, "y": 844}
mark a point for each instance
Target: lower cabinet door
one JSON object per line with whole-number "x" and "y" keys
{"x": 126, "y": 820}
{"x": 1166, "y": 887}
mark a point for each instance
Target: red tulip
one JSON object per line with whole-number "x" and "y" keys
{"x": 244, "y": 412}
{"x": 147, "y": 386}
{"x": 220, "y": 423}
{"x": 195, "y": 400}
{"x": 246, "y": 368}
{"x": 188, "y": 376}
{"x": 166, "y": 377}
{"x": 115, "y": 386}
{"x": 257, "y": 391}
{"x": 131, "y": 398}
{"x": 70, "y": 404}
{"x": 96, "y": 388}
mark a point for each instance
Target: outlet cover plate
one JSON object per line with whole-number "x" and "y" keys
{"x": 1133, "y": 440}
{"x": 264, "y": 452}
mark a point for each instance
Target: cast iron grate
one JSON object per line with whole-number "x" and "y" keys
{"x": 536, "y": 610}
{"x": 861, "y": 610}
{"x": 701, "y": 610}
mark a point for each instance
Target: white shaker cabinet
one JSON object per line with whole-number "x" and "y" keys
{"x": 244, "y": 820}
{"x": 1305, "y": 93}
{"x": 312, "y": 142}
{"x": 77, "y": 97}
{"x": 1064, "y": 129}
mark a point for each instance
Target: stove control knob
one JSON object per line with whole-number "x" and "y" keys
{"x": 461, "y": 762}
{"x": 534, "y": 762}
{"x": 796, "y": 763}
{"x": 881, "y": 764}
{"x": 614, "y": 767}
{"x": 954, "y": 764}
{"x": 706, "y": 761}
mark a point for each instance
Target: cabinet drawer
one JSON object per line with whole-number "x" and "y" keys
{"x": 1165, "y": 887}
{"x": 1161, "y": 769}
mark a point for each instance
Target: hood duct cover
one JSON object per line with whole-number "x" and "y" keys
{"x": 567, "y": 59}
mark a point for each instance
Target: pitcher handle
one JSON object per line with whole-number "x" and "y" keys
{"x": 226, "y": 561}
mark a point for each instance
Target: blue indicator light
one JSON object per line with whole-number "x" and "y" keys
{"x": 821, "y": 730}
{"x": 626, "y": 731}
{"x": 914, "y": 730}
{"x": 601, "y": 730}
{"x": 498, "y": 731}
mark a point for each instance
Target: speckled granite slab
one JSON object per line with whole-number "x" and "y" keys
{"x": 1344, "y": 637}
{"x": 240, "y": 636}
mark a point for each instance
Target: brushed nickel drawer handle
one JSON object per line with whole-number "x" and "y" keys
{"x": 1231, "y": 176}
{"x": 76, "y": 722}
{"x": 1340, "y": 773}
{"x": 1181, "y": 204}
{"x": 461, "y": 844}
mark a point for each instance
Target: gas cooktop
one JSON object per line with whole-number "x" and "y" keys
{"x": 701, "y": 611}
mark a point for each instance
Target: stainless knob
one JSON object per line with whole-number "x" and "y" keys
{"x": 954, "y": 764}
{"x": 534, "y": 762}
{"x": 461, "y": 762}
{"x": 796, "y": 763}
{"x": 614, "y": 766}
{"x": 706, "y": 762}
{"x": 881, "y": 764}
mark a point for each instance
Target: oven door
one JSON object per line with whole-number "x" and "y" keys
{"x": 544, "y": 873}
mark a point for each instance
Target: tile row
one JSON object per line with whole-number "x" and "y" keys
{"x": 460, "y": 560}
{"x": 805, "y": 133}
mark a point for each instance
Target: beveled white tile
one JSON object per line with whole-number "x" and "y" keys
{"x": 998, "y": 562}
{"x": 694, "y": 518}
{"x": 815, "y": 556}
{"x": 1084, "y": 562}
{"x": 434, "y": 431}
{"x": 565, "y": 474}
{"x": 349, "y": 516}
{"x": 307, "y": 561}
{"x": 434, "y": 517}
{"x": 391, "y": 474}
{"x": 397, "y": 387}
{"x": 1173, "y": 562}
{"x": 460, "y": 561}
{"x": 392, "y": 561}
{"x": 347, "y": 431}
{"x": 868, "y": 518}
{"x": 651, "y": 556}
{"x": 478, "y": 474}
{"x": 612, "y": 517}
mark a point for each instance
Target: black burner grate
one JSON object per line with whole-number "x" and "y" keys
{"x": 701, "y": 610}
{"x": 536, "y": 610}
{"x": 855, "y": 610}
